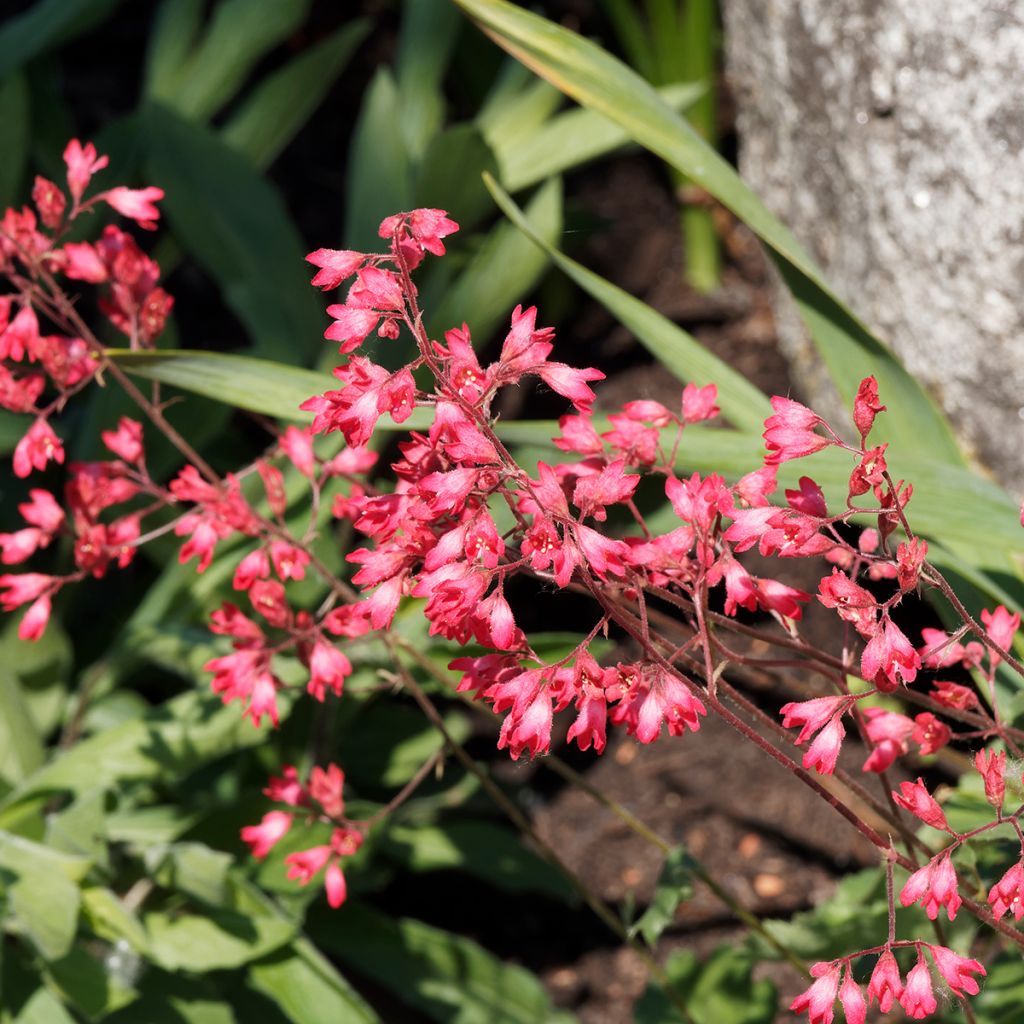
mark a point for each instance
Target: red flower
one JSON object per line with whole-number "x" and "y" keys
{"x": 992, "y": 767}
{"x": 914, "y": 797}
{"x": 264, "y": 836}
{"x": 957, "y": 971}
{"x": 1008, "y": 893}
{"x": 866, "y": 406}
{"x": 820, "y": 998}
{"x": 135, "y": 203}
{"x": 885, "y": 984}
{"x": 918, "y": 999}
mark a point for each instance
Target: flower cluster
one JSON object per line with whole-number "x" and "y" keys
{"x": 458, "y": 517}
{"x": 319, "y": 799}
{"x": 916, "y": 996}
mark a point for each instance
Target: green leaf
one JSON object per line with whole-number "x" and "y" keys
{"x": 110, "y": 919}
{"x": 87, "y": 984}
{"x": 425, "y": 45}
{"x": 172, "y": 37}
{"x": 214, "y": 69}
{"x": 595, "y": 79}
{"x": 388, "y": 743}
{"x": 14, "y": 136}
{"x": 177, "y": 999}
{"x": 675, "y": 886}
{"x": 173, "y": 739}
{"x": 379, "y": 165}
{"x": 221, "y": 939}
{"x": 720, "y": 989}
{"x": 259, "y": 385}
{"x": 44, "y": 906}
{"x": 234, "y": 223}
{"x": 21, "y": 747}
{"x": 505, "y": 268}
{"x": 569, "y": 140}
{"x": 741, "y": 402}
{"x": 446, "y": 976}
{"x": 450, "y": 174}
{"x": 282, "y": 103}
{"x": 481, "y": 848}
{"x": 46, "y": 24}
{"x": 308, "y": 989}
{"x": 195, "y": 869}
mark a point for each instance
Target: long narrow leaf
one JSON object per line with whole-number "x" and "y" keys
{"x": 599, "y": 81}
{"x": 282, "y": 103}
{"x": 742, "y": 403}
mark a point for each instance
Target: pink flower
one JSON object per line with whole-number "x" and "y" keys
{"x": 297, "y": 445}
{"x": 823, "y": 753}
{"x": 126, "y": 441}
{"x": 890, "y": 733}
{"x": 287, "y": 789}
{"x": 914, "y": 796}
{"x": 992, "y": 767}
{"x": 885, "y": 984}
{"x": 264, "y": 836}
{"x": 50, "y": 202}
{"x": 570, "y": 383}
{"x": 34, "y": 621}
{"x": 305, "y": 864}
{"x": 325, "y": 787}
{"x": 820, "y": 998}
{"x": 852, "y": 999}
{"x": 82, "y": 163}
{"x": 930, "y": 733}
{"x": 811, "y": 715}
{"x": 918, "y": 999}
{"x": 328, "y": 670}
{"x": 21, "y": 336}
{"x": 789, "y": 433}
{"x": 427, "y": 227}
{"x": 698, "y": 404}
{"x": 957, "y": 970}
{"x": 933, "y": 886}
{"x": 38, "y": 447}
{"x": 1001, "y": 628}
{"x": 889, "y": 658}
{"x": 42, "y": 511}
{"x": 953, "y": 695}
{"x": 335, "y": 266}
{"x": 866, "y": 406}
{"x": 135, "y": 203}
{"x": 1007, "y": 894}
{"x": 608, "y": 487}
{"x": 810, "y": 499}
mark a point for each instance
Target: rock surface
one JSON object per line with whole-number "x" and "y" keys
{"x": 889, "y": 136}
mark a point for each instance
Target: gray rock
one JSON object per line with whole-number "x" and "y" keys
{"x": 889, "y": 136}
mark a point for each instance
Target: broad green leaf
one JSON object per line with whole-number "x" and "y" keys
{"x": 110, "y": 919}
{"x": 41, "y": 1007}
{"x": 308, "y": 989}
{"x": 425, "y": 44}
{"x": 44, "y": 905}
{"x": 21, "y": 747}
{"x": 14, "y": 136}
{"x": 388, "y": 743}
{"x": 44, "y": 25}
{"x": 172, "y": 740}
{"x": 149, "y": 826}
{"x": 569, "y": 140}
{"x": 26, "y": 858}
{"x": 197, "y": 870}
{"x": 481, "y": 848}
{"x": 447, "y": 977}
{"x": 282, "y": 103}
{"x": 450, "y": 174}
{"x": 505, "y": 268}
{"x": 219, "y": 940}
{"x": 379, "y": 165}
{"x": 596, "y": 80}
{"x": 720, "y": 989}
{"x": 166, "y": 998}
{"x": 675, "y": 886}
{"x": 240, "y": 32}
{"x": 87, "y": 984}
{"x": 234, "y": 223}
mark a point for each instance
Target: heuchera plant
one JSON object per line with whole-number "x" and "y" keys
{"x": 431, "y": 533}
